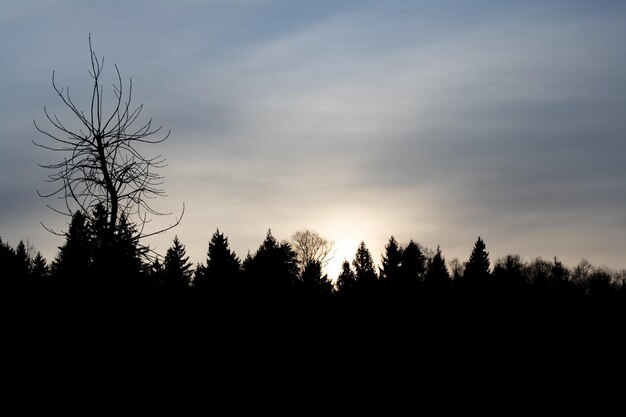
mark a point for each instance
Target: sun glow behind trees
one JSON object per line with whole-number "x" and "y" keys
{"x": 347, "y": 231}
{"x": 344, "y": 249}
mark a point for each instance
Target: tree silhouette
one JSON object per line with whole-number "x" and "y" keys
{"x": 116, "y": 257}
{"x": 366, "y": 279}
{"x": 582, "y": 272}
{"x": 412, "y": 267}
{"x": 313, "y": 283}
{"x": 177, "y": 270}
{"x": 246, "y": 264}
{"x": 390, "y": 273}
{"x": 23, "y": 263}
{"x": 222, "y": 265}
{"x": 40, "y": 272}
{"x": 71, "y": 266}
{"x": 457, "y": 268}
{"x": 127, "y": 250}
{"x": 526, "y": 299}
{"x": 102, "y": 164}
{"x": 437, "y": 275}
{"x": 274, "y": 267}
{"x": 539, "y": 272}
{"x": 477, "y": 267}
{"x": 7, "y": 266}
{"x": 346, "y": 281}
{"x": 599, "y": 287}
{"x": 559, "y": 282}
{"x": 309, "y": 246}
{"x": 510, "y": 275}
{"x": 154, "y": 273}
{"x": 6, "y": 251}
{"x": 559, "y": 272}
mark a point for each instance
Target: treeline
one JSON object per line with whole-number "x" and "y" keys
{"x": 104, "y": 291}
{"x": 86, "y": 262}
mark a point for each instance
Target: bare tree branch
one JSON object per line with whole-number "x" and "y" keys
{"x": 310, "y": 247}
{"x": 103, "y": 164}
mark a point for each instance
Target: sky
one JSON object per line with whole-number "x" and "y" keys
{"x": 432, "y": 120}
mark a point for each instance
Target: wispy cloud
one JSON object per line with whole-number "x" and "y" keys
{"x": 429, "y": 120}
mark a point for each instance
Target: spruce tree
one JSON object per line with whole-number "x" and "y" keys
{"x": 313, "y": 283}
{"x": 8, "y": 264}
{"x": 437, "y": 275}
{"x": 128, "y": 251}
{"x": 199, "y": 279}
{"x": 176, "y": 267}
{"x": 274, "y": 267}
{"x": 71, "y": 267}
{"x": 413, "y": 266}
{"x": 558, "y": 281}
{"x": 391, "y": 263}
{"x": 154, "y": 273}
{"x": 116, "y": 254}
{"x": 364, "y": 270}
{"x": 559, "y": 273}
{"x": 477, "y": 267}
{"x": 23, "y": 263}
{"x": 222, "y": 265}
{"x": 40, "y": 271}
{"x": 247, "y": 269}
{"x": 346, "y": 280}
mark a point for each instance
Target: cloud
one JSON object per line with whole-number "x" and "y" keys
{"x": 427, "y": 120}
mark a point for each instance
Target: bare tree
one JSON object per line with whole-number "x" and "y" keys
{"x": 310, "y": 246}
{"x": 102, "y": 164}
{"x": 457, "y": 267}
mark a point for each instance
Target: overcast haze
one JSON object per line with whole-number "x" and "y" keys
{"x": 436, "y": 121}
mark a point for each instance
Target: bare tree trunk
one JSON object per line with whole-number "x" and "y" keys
{"x": 103, "y": 165}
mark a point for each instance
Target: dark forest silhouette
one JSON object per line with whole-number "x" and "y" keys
{"x": 87, "y": 291}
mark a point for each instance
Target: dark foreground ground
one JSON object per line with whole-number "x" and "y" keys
{"x": 251, "y": 351}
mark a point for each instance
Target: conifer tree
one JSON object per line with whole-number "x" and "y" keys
{"x": 7, "y": 266}
{"x": 128, "y": 252}
{"x": 273, "y": 268}
{"x": 413, "y": 266}
{"x": 40, "y": 272}
{"x": 176, "y": 267}
{"x": 246, "y": 264}
{"x": 116, "y": 253}
{"x": 437, "y": 274}
{"x": 477, "y": 267}
{"x": 559, "y": 273}
{"x": 391, "y": 263}
{"x": 23, "y": 263}
{"x": 71, "y": 266}
{"x": 154, "y": 273}
{"x": 313, "y": 283}
{"x": 222, "y": 265}
{"x": 346, "y": 280}
{"x": 364, "y": 270}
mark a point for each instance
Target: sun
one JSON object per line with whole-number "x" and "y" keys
{"x": 343, "y": 249}
{"x": 346, "y": 226}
